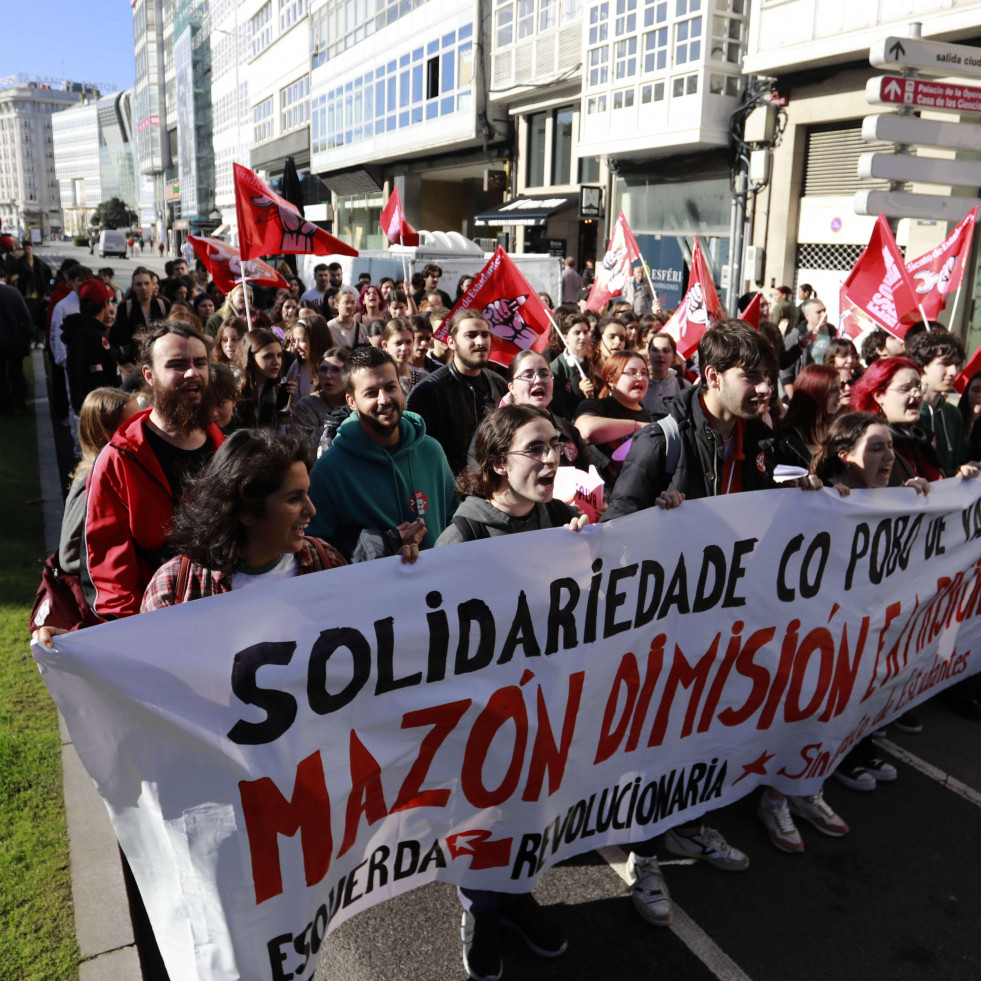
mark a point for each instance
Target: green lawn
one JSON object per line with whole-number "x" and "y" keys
{"x": 37, "y": 933}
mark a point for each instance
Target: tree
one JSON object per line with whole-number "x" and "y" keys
{"x": 113, "y": 214}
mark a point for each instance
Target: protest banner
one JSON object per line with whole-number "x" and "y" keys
{"x": 276, "y": 762}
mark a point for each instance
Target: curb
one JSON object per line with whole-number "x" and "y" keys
{"x": 103, "y": 927}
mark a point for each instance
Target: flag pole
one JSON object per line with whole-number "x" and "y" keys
{"x": 244, "y": 283}
{"x": 957, "y": 301}
{"x": 650, "y": 282}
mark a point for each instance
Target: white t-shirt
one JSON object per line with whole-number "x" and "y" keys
{"x": 659, "y": 392}
{"x": 285, "y": 568}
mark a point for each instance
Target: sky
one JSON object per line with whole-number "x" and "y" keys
{"x": 90, "y": 42}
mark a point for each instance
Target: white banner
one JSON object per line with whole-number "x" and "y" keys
{"x": 277, "y": 759}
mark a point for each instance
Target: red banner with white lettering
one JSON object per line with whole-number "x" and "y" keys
{"x": 941, "y": 270}
{"x": 227, "y": 269}
{"x": 698, "y": 309}
{"x": 270, "y": 225}
{"x": 396, "y": 229}
{"x": 616, "y": 268}
{"x": 517, "y": 317}
{"x": 879, "y": 284}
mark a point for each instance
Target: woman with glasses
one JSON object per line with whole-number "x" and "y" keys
{"x": 891, "y": 388}
{"x": 610, "y": 420}
{"x": 317, "y": 417}
{"x": 508, "y": 489}
{"x": 530, "y": 382}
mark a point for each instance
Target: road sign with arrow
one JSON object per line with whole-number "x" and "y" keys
{"x": 932, "y": 57}
{"x": 923, "y": 93}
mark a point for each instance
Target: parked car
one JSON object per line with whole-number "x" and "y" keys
{"x": 112, "y": 241}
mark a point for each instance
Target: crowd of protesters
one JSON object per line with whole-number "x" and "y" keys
{"x": 222, "y": 448}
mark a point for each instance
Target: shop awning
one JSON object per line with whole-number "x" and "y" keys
{"x": 526, "y": 209}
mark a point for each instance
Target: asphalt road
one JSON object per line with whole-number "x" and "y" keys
{"x": 897, "y": 899}
{"x": 53, "y": 253}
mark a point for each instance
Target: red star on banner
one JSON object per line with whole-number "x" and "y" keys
{"x": 757, "y": 766}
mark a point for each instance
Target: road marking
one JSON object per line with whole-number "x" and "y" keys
{"x": 683, "y": 926}
{"x": 931, "y": 771}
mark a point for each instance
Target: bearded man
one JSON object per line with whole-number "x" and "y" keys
{"x": 138, "y": 479}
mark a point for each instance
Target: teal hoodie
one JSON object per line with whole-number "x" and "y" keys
{"x": 358, "y": 484}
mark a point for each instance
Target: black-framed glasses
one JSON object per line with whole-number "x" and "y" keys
{"x": 542, "y": 374}
{"x": 541, "y": 451}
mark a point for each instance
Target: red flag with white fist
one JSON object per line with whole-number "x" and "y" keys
{"x": 615, "y": 270}
{"x": 397, "y": 230}
{"x": 270, "y": 225}
{"x": 879, "y": 284}
{"x": 227, "y": 268}
{"x": 698, "y": 309}
{"x": 517, "y": 317}
{"x": 940, "y": 271}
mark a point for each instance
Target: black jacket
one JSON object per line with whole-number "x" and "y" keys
{"x": 89, "y": 362}
{"x": 790, "y": 449}
{"x": 699, "y": 470}
{"x": 129, "y": 320}
{"x": 451, "y": 410}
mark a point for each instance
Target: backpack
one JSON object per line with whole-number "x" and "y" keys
{"x": 60, "y": 600}
{"x": 559, "y": 513}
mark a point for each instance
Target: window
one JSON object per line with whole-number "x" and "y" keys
{"x": 318, "y": 39}
{"x": 724, "y": 85}
{"x": 656, "y": 50}
{"x": 652, "y": 93}
{"x": 548, "y": 14}
{"x": 562, "y": 145}
{"x": 626, "y": 20}
{"x": 260, "y": 29}
{"x": 598, "y": 70}
{"x": 526, "y": 18}
{"x": 294, "y": 104}
{"x": 290, "y": 11}
{"x": 535, "y": 173}
{"x": 655, "y": 12}
{"x": 595, "y": 104}
{"x": 688, "y": 44}
{"x": 262, "y": 120}
{"x": 432, "y": 78}
{"x": 598, "y": 23}
{"x": 505, "y": 24}
{"x": 623, "y": 99}
{"x": 625, "y": 55}
{"x": 728, "y": 39}
{"x": 684, "y": 85}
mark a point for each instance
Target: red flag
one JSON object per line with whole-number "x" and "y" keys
{"x": 270, "y": 225}
{"x": 972, "y": 367}
{"x": 615, "y": 270}
{"x": 752, "y": 312}
{"x": 397, "y": 230}
{"x": 226, "y": 266}
{"x": 699, "y": 307}
{"x": 941, "y": 270}
{"x": 518, "y": 319}
{"x": 879, "y": 284}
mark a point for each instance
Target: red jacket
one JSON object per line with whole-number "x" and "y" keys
{"x": 129, "y": 514}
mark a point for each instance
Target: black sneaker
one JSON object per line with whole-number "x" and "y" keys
{"x": 481, "y": 946}
{"x": 541, "y": 934}
{"x": 908, "y": 722}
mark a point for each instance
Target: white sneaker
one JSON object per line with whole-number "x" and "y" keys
{"x": 709, "y": 846}
{"x": 820, "y": 814}
{"x": 649, "y": 891}
{"x": 775, "y": 815}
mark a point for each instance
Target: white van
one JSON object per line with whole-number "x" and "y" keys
{"x": 112, "y": 242}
